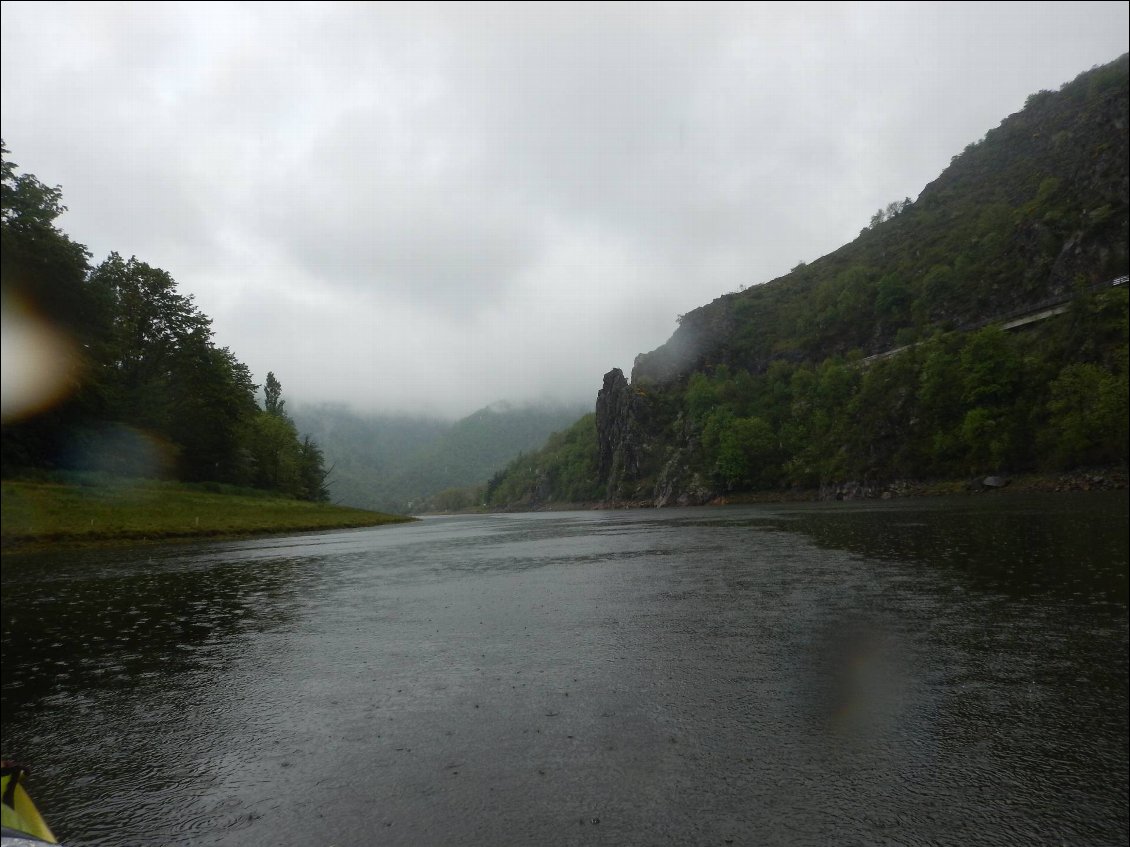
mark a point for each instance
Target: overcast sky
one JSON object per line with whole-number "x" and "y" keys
{"x": 433, "y": 207}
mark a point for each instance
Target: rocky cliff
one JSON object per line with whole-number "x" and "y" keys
{"x": 1031, "y": 212}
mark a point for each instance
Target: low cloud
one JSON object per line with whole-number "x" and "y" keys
{"x": 436, "y": 207}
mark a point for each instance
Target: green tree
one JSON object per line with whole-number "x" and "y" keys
{"x": 159, "y": 370}
{"x": 940, "y": 402}
{"x": 273, "y": 404}
{"x": 44, "y": 271}
{"x": 279, "y": 459}
{"x": 991, "y": 368}
{"x": 988, "y": 438}
{"x": 701, "y": 396}
{"x": 892, "y": 300}
{"x": 39, "y": 262}
{"x": 209, "y": 414}
{"x": 312, "y": 472}
{"x": 1088, "y": 416}
{"x": 938, "y": 293}
{"x": 151, "y": 372}
{"x": 881, "y": 417}
{"x": 154, "y": 332}
{"x": 742, "y": 452}
{"x": 273, "y": 444}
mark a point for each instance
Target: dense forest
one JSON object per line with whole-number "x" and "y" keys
{"x": 141, "y": 389}
{"x": 980, "y": 328}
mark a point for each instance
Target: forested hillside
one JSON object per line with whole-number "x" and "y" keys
{"x": 108, "y": 368}
{"x": 979, "y": 328}
{"x": 402, "y": 463}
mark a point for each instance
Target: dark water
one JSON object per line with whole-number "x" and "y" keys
{"x": 926, "y": 672}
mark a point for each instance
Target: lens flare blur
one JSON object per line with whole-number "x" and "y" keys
{"x": 40, "y": 364}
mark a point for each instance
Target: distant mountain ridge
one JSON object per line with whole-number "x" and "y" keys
{"x": 394, "y": 463}
{"x": 764, "y": 388}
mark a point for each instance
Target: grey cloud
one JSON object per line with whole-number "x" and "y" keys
{"x": 437, "y": 255}
{"x": 445, "y": 204}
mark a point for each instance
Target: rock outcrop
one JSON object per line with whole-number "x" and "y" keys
{"x": 638, "y": 463}
{"x": 617, "y": 433}
{"x": 698, "y": 342}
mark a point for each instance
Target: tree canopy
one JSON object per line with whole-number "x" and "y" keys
{"x": 151, "y": 393}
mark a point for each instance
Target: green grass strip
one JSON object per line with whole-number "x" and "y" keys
{"x": 36, "y": 513}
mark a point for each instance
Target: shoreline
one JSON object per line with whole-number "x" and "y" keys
{"x": 41, "y": 516}
{"x": 1091, "y": 479}
{"x": 63, "y": 541}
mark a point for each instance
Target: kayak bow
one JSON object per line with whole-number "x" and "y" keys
{"x": 21, "y": 822}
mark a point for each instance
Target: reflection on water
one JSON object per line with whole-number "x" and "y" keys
{"x": 1019, "y": 546}
{"x": 912, "y": 672}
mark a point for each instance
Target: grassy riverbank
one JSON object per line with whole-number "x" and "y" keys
{"x": 36, "y": 513}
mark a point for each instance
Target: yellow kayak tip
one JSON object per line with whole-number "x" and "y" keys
{"x": 22, "y": 825}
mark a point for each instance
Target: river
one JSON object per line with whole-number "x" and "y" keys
{"x": 937, "y": 671}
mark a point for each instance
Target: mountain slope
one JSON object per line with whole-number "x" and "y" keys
{"x": 1018, "y": 217}
{"x": 772, "y": 386}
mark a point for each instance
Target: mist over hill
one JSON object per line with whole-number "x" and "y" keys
{"x": 394, "y": 462}
{"x": 979, "y": 328}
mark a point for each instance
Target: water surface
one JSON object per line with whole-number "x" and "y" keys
{"x": 909, "y": 672}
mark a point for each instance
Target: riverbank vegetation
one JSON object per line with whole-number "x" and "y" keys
{"x": 957, "y": 405}
{"x": 110, "y": 369}
{"x": 97, "y": 508}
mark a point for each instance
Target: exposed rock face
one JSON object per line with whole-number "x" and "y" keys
{"x": 617, "y": 432}
{"x": 697, "y": 342}
{"x": 865, "y": 490}
{"x": 636, "y": 464}
{"x": 677, "y": 485}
